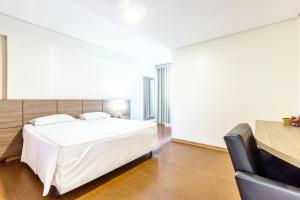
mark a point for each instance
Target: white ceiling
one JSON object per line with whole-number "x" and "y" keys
{"x": 178, "y": 23}
{"x": 167, "y": 24}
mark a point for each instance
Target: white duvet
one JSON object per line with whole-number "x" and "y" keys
{"x": 68, "y": 155}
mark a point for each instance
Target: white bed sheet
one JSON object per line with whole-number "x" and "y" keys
{"x": 68, "y": 155}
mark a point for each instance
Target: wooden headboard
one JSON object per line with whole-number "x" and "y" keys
{"x": 70, "y": 107}
{"x": 11, "y": 122}
{"x": 38, "y": 108}
{"x": 15, "y": 113}
{"x": 92, "y": 106}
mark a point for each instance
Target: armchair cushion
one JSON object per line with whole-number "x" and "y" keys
{"x": 254, "y": 187}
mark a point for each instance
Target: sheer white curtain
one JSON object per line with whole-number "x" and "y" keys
{"x": 163, "y": 93}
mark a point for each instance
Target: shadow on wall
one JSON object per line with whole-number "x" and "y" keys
{"x": 13, "y": 146}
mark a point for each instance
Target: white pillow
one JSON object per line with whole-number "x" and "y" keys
{"x": 94, "y": 116}
{"x": 51, "y": 119}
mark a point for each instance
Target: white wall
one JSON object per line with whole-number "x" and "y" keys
{"x": 75, "y": 75}
{"x": 87, "y": 25}
{"x": 240, "y": 78}
{"x": 43, "y": 64}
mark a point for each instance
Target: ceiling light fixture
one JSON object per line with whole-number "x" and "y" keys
{"x": 132, "y": 13}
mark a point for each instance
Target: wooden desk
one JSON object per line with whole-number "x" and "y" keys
{"x": 280, "y": 140}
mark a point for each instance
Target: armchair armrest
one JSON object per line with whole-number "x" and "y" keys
{"x": 254, "y": 187}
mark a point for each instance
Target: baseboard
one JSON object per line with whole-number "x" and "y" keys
{"x": 199, "y": 144}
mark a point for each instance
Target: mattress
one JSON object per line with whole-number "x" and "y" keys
{"x": 68, "y": 155}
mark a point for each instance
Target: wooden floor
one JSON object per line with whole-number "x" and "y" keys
{"x": 178, "y": 172}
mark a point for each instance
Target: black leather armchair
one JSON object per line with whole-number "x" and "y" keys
{"x": 260, "y": 175}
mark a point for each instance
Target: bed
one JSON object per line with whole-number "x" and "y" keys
{"x": 68, "y": 155}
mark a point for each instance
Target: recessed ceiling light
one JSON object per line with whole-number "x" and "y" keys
{"x": 126, "y": 3}
{"x": 133, "y": 13}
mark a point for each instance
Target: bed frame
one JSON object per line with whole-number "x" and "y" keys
{"x": 15, "y": 113}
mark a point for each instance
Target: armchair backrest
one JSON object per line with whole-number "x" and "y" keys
{"x": 242, "y": 148}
